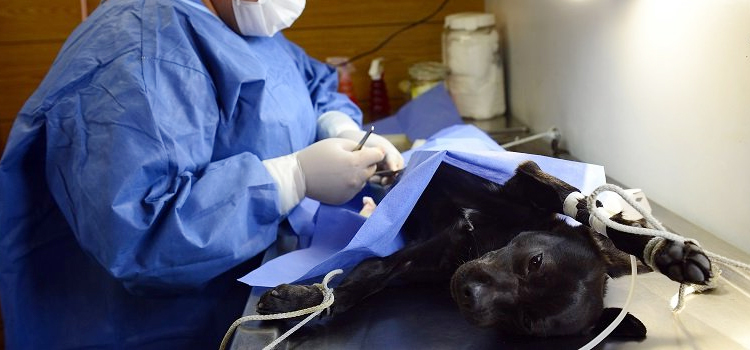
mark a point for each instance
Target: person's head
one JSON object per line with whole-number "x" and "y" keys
{"x": 257, "y": 17}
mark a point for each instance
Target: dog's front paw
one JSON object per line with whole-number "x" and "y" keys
{"x": 288, "y": 297}
{"x": 684, "y": 263}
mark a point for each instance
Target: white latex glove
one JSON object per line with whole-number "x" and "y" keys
{"x": 393, "y": 159}
{"x": 327, "y": 171}
{"x": 337, "y": 124}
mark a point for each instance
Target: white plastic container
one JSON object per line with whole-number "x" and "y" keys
{"x": 471, "y": 51}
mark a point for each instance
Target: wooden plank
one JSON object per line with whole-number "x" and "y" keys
{"x": 24, "y": 20}
{"x": 22, "y": 68}
{"x": 5, "y": 126}
{"x": 91, "y": 5}
{"x": 38, "y": 20}
{"x": 354, "y": 13}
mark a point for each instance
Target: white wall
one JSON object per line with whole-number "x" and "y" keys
{"x": 657, "y": 91}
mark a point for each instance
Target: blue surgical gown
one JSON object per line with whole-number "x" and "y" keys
{"x": 132, "y": 189}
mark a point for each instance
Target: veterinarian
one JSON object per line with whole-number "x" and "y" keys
{"x": 154, "y": 163}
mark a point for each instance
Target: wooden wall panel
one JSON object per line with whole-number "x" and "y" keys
{"x": 4, "y": 131}
{"x": 23, "y": 66}
{"x": 38, "y": 20}
{"x": 354, "y": 13}
{"x": 31, "y": 34}
{"x": 91, "y": 5}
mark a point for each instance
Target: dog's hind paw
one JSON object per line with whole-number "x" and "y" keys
{"x": 288, "y": 297}
{"x": 684, "y": 263}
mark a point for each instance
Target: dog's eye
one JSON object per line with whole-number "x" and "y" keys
{"x": 535, "y": 262}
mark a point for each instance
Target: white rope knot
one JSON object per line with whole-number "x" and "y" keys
{"x": 313, "y": 311}
{"x": 653, "y": 246}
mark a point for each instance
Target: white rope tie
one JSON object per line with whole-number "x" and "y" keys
{"x": 653, "y": 246}
{"x": 313, "y": 311}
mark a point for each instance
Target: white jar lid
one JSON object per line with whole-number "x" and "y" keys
{"x": 469, "y": 20}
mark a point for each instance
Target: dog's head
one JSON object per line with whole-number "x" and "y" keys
{"x": 540, "y": 284}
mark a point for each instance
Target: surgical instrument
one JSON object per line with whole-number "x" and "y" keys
{"x": 389, "y": 172}
{"x": 364, "y": 139}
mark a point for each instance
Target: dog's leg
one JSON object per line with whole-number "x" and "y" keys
{"x": 420, "y": 262}
{"x": 681, "y": 262}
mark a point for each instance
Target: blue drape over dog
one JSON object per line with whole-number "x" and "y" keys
{"x": 342, "y": 238}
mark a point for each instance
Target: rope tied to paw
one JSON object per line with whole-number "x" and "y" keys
{"x": 655, "y": 244}
{"x": 313, "y": 311}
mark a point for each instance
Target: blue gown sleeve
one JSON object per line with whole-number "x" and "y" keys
{"x": 129, "y": 162}
{"x": 322, "y": 82}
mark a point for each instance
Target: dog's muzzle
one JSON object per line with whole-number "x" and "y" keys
{"x": 481, "y": 294}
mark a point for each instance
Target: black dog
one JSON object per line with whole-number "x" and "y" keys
{"x": 510, "y": 261}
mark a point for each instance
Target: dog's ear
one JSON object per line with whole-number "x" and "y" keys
{"x": 630, "y": 327}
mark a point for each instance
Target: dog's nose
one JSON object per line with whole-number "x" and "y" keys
{"x": 480, "y": 292}
{"x": 471, "y": 294}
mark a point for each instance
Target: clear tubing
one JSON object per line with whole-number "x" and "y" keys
{"x": 551, "y": 133}
{"x": 599, "y": 338}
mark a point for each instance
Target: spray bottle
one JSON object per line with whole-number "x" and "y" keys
{"x": 379, "y": 105}
{"x": 345, "y": 69}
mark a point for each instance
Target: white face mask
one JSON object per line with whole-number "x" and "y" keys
{"x": 266, "y": 17}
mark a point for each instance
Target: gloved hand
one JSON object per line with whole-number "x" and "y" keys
{"x": 327, "y": 171}
{"x": 338, "y": 124}
{"x": 393, "y": 159}
{"x": 333, "y": 173}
